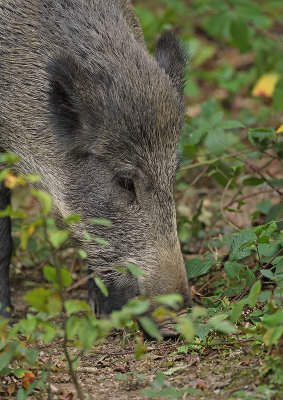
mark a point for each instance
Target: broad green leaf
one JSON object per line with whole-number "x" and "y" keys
{"x": 9, "y": 158}
{"x": 75, "y": 306}
{"x": 45, "y": 200}
{"x": 253, "y": 181}
{"x": 101, "y": 285}
{"x": 150, "y": 327}
{"x": 244, "y": 236}
{"x": 268, "y": 274}
{"x": 57, "y": 238}
{"x": 240, "y": 34}
{"x": 170, "y": 300}
{"x": 186, "y": 328}
{"x": 233, "y": 269}
{"x": 275, "y": 319}
{"x": 220, "y": 323}
{"x": 202, "y": 330}
{"x": 197, "y": 266}
{"x": 230, "y": 124}
{"x": 51, "y": 275}
{"x": 216, "y": 141}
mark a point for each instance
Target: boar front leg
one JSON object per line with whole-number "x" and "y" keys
{"x": 6, "y": 247}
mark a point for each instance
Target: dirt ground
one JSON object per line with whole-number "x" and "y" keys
{"x": 110, "y": 371}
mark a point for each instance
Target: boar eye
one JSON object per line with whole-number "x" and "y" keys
{"x": 127, "y": 183}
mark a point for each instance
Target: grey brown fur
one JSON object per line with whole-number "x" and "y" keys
{"x": 87, "y": 108}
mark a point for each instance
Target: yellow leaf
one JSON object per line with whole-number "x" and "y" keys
{"x": 279, "y": 129}
{"x": 265, "y": 86}
{"x": 11, "y": 181}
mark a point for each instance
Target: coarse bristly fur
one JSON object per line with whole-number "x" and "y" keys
{"x": 87, "y": 108}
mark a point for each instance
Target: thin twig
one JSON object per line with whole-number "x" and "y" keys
{"x": 222, "y": 205}
{"x": 247, "y": 197}
{"x": 209, "y": 162}
{"x": 258, "y": 171}
{"x": 270, "y": 35}
{"x": 200, "y": 175}
{"x": 210, "y": 281}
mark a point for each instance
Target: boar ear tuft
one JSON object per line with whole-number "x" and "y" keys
{"x": 172, "y": 57}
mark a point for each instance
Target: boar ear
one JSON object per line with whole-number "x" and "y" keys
{"x": 172, "y": 58}
{"x": 63, "y": 98}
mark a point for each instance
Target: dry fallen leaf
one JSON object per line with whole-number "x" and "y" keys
{"x": 11, "y": 389}
{"x": 28, "y": 379}
{"x": 265, "y": 86}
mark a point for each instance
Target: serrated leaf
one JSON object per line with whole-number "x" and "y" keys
{"x": 216, "y": 141}
{"x": 239, "y": 249}
{"x": 101, "y": 285}
{"x": 233, "y": 269}
{"x": 196, "y": 266}
{"x": 150, "y": 327}
{"x": 237, "y": 310}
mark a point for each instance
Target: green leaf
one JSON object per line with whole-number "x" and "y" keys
{"x": 254, "y": 292}
{"x": 57, "y": 238}
{"x": 240, "y": 34}
{"x": 73, "y": 219}
{"x": 170, "y": 300}
{"x": 38, "y": 298}
{"x": 186, "y": 328}
{"x": 230, "y": 124}
{"x": 51, "y": 275}
{"x": 101, "y": 241}
{"x": 20, "y": 372}
{"x": 202, "y": 330}
{"x": 233, "y": 269}
{"x": 237, "y": 310}
{"x": 150, "y": 327}
{"x": 220, "y": 323}
{"x": 9, "y": 158}
{"x": 197, "y": 266}
{"x": 45, "y": 200}
{"x": 101, "y": 285}
{"x": 237, "y": 251}
{"x": 135, "y": 270}
{"x": 273, "y": 319}
{"x": 253, "y": 181}
{"x": 101, "y": 221}
{"x": 216, "y": 141}
{"x": 76, "y": 306}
